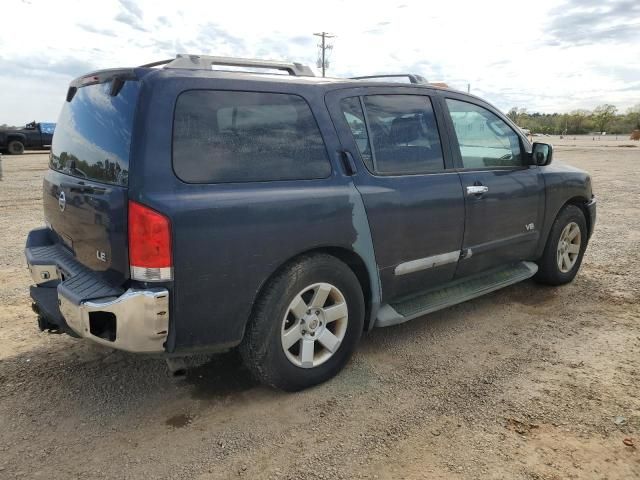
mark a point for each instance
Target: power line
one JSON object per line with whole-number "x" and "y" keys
{"x": 322, "y": 58}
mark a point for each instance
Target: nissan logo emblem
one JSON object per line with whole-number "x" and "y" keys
{"x": 62, "y": 201}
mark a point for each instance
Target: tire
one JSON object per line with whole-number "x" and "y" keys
{"x": 15, "y": 147}
{"x": 278, "y": 317}
{"x": 552, "y": 268}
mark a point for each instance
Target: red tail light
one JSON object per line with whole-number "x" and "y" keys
{"x": 149, "y": 244}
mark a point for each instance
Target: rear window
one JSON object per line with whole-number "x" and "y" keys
{"x": 221, "y": 136}
{"x": 93, "y": 135}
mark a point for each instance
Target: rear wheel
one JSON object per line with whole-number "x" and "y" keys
{"x": 565, "y": 248}
{"x": 305, "y": 325}
{"x": 15, "y": 147}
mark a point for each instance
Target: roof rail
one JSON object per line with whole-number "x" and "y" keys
{"x": 205, "y": 62}
{"x": 413, "y": 77}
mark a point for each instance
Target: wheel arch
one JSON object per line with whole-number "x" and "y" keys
{"x": 549, "y": 272}
{"x": 16, "y": 136}
{"x": 579, "y": 201}
{"x": 349, "y": 257}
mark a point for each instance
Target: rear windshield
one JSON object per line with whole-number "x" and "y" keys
{"x": 246, "y": 137}
{"x": 93, "y": 135}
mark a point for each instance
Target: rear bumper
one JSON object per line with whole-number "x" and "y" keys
{"x": 135, "y": 320}
{"x": 591, "y": 209}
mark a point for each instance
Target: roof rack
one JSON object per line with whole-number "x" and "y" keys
{"x": 413, "y": 77}
{"x": 205, "y": 62}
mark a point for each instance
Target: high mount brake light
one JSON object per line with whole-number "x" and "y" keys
{"x": 90, "y": 80}
{"x": 149, "y": 244}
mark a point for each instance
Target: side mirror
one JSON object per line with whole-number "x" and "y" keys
{"x": 541, "y": 154}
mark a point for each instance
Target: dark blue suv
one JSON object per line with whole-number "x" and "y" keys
{"x": 193, "y": 210}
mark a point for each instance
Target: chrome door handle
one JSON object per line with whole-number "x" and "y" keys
{"x": 477, "y": 189}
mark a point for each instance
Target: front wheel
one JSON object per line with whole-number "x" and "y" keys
{"x": 565, "y": 248}
{"x": 15, "y": 147}
{"x": 305, "y": 325}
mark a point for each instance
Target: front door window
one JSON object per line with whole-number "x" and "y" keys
{"x": 485, "y": 140}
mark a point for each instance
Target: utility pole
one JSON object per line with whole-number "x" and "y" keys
{"x": 323, "y": 48}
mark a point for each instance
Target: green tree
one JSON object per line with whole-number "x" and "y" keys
{"x": 517, "y": 114}
{"x": 602, "y": 116}
{"x": 633, "y": 114}
{"x": 577, "y": 120}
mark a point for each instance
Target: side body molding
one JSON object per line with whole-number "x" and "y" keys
{"x": 427, "y": 262}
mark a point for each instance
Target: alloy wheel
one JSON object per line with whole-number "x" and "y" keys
{"x": 568, "y": 247}
{"x": 314, "y": 325}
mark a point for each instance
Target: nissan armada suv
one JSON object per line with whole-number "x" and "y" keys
{"x": 194, "y": 210}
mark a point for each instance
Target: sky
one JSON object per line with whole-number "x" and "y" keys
{"x": 545, "y": 56}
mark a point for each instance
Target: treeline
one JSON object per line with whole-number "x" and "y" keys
{"x": 604, "y": 118}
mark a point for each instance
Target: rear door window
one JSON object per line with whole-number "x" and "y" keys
{"x": 221, "y": 136}
{"x": 401, "y": 135}
{"x": 354, "y": 115}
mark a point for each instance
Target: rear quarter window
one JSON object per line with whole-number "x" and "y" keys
{"x": 222, "y": 136}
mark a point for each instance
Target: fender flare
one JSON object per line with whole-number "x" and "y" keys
{"x": 10, "y": 137}
{"x": 579, "y": 201}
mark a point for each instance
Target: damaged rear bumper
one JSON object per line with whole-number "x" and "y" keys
{"x": 136, "y": 321}
{"x": 71, "y": 298}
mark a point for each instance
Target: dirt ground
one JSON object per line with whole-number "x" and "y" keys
{"x": 529, "y": 382}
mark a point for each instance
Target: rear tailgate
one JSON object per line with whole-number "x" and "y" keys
{"x": 85, "y": 190}
{"x": 91, "y": 220}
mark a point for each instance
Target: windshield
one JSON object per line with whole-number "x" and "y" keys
{"x": 93, "y": 135}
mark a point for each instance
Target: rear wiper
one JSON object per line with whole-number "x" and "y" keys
{"x": 116, "y": 85}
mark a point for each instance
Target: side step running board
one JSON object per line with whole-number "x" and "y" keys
{"x": 455, "y": 292}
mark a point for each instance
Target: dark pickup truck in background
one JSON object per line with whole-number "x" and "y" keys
{"x": 34, "y": 136}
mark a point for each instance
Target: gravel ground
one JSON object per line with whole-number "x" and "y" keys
{"x": 529, "y": 382}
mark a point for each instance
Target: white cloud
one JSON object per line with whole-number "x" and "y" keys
{"x": 534, "y": 55}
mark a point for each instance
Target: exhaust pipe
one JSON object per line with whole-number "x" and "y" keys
{"x": 178, "y": 366}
